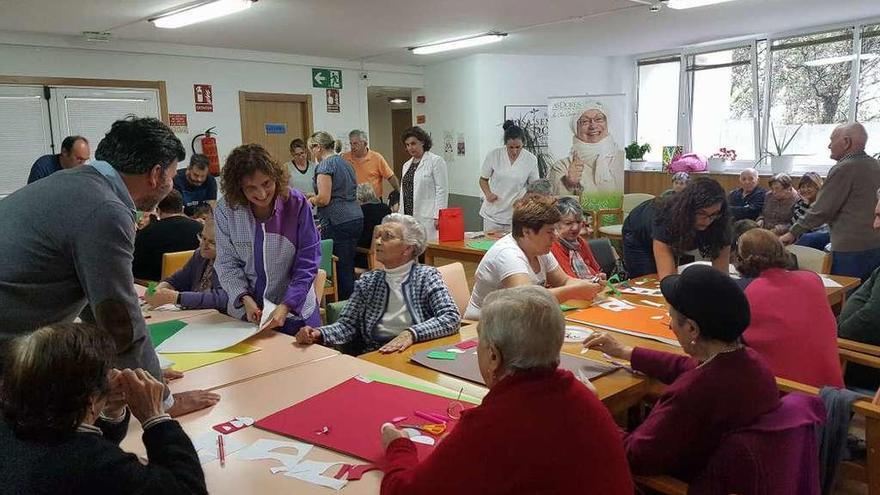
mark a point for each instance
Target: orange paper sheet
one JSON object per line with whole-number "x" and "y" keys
{"x": 640, "y": 321}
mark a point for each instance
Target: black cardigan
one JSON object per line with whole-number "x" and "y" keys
{"x": 89, "y": 463}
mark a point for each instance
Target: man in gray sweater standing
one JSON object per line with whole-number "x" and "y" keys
{"x": 67, "y": 242}
{"x": 845, "y": 203}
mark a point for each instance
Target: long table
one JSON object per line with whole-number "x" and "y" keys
{"x": 455, "y": 250}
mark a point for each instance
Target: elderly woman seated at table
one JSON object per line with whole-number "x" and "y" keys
{"x": 792, "y": 323}
{"x": 570, "y": 249}
{"x": 523, "y": 258}
{"x": 393, "y": 307}
{"x": 539, "y": 430}
{"x": 65, "y": 410}
{"x": 723, "y": 386}
{"x": 196, "y": 285}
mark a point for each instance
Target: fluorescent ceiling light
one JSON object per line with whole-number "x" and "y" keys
{"x": 201, "y": 12}
{"x": 839, "y": 60}
{"x": 397, "y": 100}
{"x": 482, "y": 39}
{"x": 690, "y": 4}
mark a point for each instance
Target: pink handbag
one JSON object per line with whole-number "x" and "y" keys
{"x": 690, "y": 162}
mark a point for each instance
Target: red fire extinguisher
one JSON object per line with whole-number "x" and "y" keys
{"x": 209, "y": 149}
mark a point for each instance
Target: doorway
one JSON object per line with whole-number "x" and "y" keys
{"x": 390, "y": 113}
{"x": 273, "y": 120}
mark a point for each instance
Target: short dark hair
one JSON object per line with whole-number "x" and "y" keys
{"x": 70, "y": 141}
{"x": 418, "y": 133}
{"x": 533, "y": 211}
{"x": 135, "y": 145}
{"x": 199, "y": 161}
{"x": 512, "y": 131}
{"x": 298, "y": 143}
{"x": 244, "y": 161}
{"x": 202, "y": 210}
{"x": 171, "y": 203}
{"x": 49, "y": 377}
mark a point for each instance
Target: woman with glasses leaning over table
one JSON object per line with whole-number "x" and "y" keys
{"x": 658, "y": 232}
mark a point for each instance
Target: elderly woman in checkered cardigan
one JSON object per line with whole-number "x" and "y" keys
{"x": 395, "y": 306}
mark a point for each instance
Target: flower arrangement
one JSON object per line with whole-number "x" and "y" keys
{"x": 728, "y": 155}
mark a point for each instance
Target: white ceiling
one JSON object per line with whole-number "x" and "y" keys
{"x": 380, "y": 30}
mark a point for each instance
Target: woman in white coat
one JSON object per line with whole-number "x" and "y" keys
{"x": 423, "y": 190}
{"x": 504, "y": 177}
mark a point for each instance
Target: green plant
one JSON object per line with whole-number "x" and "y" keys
{"x": 635, "y": 151}
{"x": 786, "y": 140}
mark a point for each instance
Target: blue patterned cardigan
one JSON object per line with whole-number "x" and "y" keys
{"x": 432, "y": 308}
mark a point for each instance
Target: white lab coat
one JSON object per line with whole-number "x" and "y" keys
{"x": 430, "y": 192}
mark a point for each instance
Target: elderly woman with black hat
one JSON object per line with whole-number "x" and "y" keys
{"x": 720, "y": 387}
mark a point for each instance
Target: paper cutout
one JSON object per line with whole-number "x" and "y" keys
{"x": 637, "y": 321}
{"x": 420, "y": 387}
{"x": 479, "y": 245}
{"x": 160, "y": 332}
{"x": 467, "y": 344}
{"x": 829, "y": 283}
{"x": 576, "y": 334}
{"x": 207, "y": 450}
{"x": 202, "y": 337}
{"x": 268, "y": 308}
{"x": 357, "y": 471}
{"x": 441, "y": 355}
{"x": 342, "y": 471}
{"x": 186, "y": 361}
{"x": 312, "y": 472}
{"x": 642, "y": 291}
{"x": 616, "y": 305}
{"x": 353, "y": 434}
{"x": 423, "y": 439}
{"x": 411, "y": 432}
{"x": 164, "y": 363}
{"x": 566, "y": 307}
{"x": 233, "y": 425}
{"x": 652, "y": 303}
{"x": 278, "y": 469}
{"x": 265, "y": 449}
{"x": 456, "y": 350}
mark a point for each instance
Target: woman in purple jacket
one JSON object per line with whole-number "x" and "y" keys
{"x": 268, "y": 248}
{"x": 196, "y": 285}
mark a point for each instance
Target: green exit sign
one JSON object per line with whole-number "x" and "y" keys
{"x": 327, "y": 78}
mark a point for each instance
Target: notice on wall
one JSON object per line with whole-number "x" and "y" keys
{"x": 420, "y": 119}
{"x": 461, "y": 149}
{"x": 333, "y": 101}
{"x": 177, "y": 123}
{"x": 275, "y": 127}
{"x": 204, "y": 97}
{"x": 449, "y": 146}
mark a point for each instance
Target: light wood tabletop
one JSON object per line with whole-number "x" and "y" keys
{"x": 153, "y": 316}
{"x": 454, "y": 250}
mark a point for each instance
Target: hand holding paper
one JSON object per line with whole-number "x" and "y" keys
{"x": 390, "y": 433}
{"x": 273, "y": 316}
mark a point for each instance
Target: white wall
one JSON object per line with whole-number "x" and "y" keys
{"x": 468, "y": 95}
{"x": 229, "y": 71}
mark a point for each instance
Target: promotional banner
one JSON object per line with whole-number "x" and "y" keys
{"x": 586, "y": 140}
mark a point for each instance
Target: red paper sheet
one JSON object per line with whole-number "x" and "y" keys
{"x": 638, "y": 321}
{"x": 354, "y": 412}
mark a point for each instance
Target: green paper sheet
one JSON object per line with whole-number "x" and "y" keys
{"x": 449, "y": 356}
{"x": 160, "y": 332}
{"x": 449, "y": 394}
{"x": 186, "y": 361}
{"x": 481, "y": 245}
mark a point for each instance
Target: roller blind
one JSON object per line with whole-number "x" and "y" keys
{"x": 24, "y": 134}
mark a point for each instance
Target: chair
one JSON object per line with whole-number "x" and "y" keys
{"x": 851, "y": 351}
{"x": 630, "y": 201}
{"x": 456, "y": 280}
{"x": 320, "y": 280}
{"x": 171, "y": 262}
{"x": 372, "y": 262}
{"x": 811, "y": 259}
{"x": 328, "y": 264}
{"x": 604, "y": 253}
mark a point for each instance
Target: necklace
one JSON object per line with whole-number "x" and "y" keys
{"x": 735, "y": 348}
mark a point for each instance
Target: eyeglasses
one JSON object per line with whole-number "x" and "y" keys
{"x": 597, "y": 120}
{"x": 207, "y": 242}
{"x": 711, "y": 218}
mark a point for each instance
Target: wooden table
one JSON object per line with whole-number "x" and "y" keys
{"x": 154, "y": 316}
{"x": 258, "y": 398}
{"x": 837, "y": 295}
{"x": 455, "y": 250}
{"x": 277, "y": 352}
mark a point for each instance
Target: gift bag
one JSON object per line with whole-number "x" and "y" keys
{"x": 451, "y": 224}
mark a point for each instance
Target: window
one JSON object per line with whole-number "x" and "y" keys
{"x": 722, "y": 97}
{"x": 24, "y": 134}
{"x": 658, "y": 104}
{"x": 868, "y": 107}
{"x": 810, "y": 85}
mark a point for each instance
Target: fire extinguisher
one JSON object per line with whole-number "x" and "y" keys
{"x": 209, "y": 149}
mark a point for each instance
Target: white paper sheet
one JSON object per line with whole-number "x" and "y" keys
{"x": 312, "y": 472}
{"x": 200, "y": 337}
{"x": 265, "y": 449}
{"x": 206, "y": 446}
{"x": 641, "y": 291}
{"x": 268, "y": 308}
{"x": 831, "y": 284}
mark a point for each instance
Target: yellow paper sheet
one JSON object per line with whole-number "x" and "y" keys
{"x": 186, "y": 361}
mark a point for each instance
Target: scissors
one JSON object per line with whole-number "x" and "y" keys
{"x": 434, "y": 429}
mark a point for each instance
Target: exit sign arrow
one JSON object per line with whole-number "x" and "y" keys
{"x": 319, "y": 79}
{"x": 326, "y": 78}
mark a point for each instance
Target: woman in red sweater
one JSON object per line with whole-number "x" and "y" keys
{"x": 539, "y": 430}
{"x": 570, "y": 249}
{"x": 792, "y": 323}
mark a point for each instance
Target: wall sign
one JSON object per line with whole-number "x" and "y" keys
{"x": 327, "y": 78}
{"x": 177, "y": 123}
{"x": 276, "y": 128}
{"x": 420, "y": 119}
{"x": 204, "y": 97}
{"x": 333, "y": 101}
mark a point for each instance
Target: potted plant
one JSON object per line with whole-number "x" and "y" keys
{"x": 635, "y": 153}
{"x": 780, "y": 163}
{"x": 724, "y": 158}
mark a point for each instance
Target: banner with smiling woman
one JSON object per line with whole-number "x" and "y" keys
{"x": 585, "y": 136}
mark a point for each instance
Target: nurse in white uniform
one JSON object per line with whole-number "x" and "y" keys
{"x": 504, "y": 176}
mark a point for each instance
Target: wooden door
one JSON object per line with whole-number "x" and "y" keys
{"x": 274, "y": 120}
{"x": 401, "y": 119}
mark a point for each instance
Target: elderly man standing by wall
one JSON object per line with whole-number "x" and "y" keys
{"x": 845, "y": 203}
{"x": 369, "y": 166}
{"x": 747, "y": 202}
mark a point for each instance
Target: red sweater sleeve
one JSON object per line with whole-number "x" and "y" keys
{"x": 663, "y": 366}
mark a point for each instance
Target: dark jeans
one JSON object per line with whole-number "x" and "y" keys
{"x": 816, "y": 240}
{"x": 345, "y": 237}
{"x": 858, "y": 264}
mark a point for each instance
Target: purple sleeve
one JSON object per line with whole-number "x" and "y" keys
{"x": 215, "y": 299}
{"x": 663, "y": 366}
{"x": 308, "y": 258}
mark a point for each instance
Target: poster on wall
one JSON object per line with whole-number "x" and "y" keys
{"x": 203, "y": 95}
{"x": 460, "y": 146}
{"x": 449, "y": 146}
{"x": 585, "y": 137}
{"x": 332, "y": 101}
{"x": 531, "y": 118}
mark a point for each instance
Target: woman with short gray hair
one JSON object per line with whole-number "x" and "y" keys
{"x": 570, "y": 249}
{"x": 395, "y": 306}
{"x": 521, "y": 332}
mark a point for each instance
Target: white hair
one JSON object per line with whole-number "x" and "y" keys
{"x": 358, "y": 133}
{"x": 525, "y": 325}
{"x": 749, "y": 171}
{"x": 365, "y": 193}
{"x": 569, "y": 205}
{"x": 413, "y": 232}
